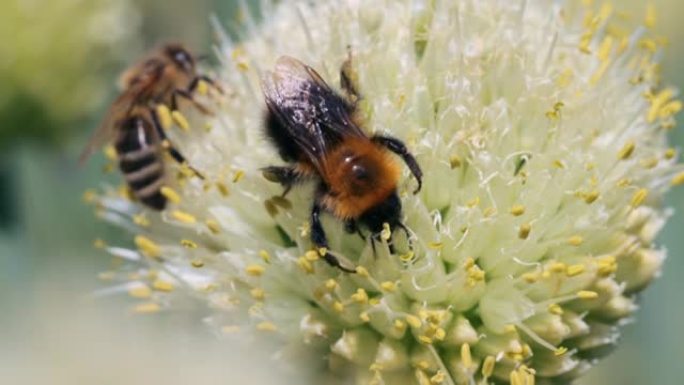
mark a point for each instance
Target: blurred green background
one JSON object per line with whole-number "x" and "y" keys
{"x": 58, "y": 63}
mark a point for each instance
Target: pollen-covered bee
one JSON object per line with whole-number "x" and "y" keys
{"x": 132, "y": 124}
{"x": 314, "y": 129}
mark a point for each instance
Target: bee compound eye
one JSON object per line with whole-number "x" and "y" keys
{"x": 359, "y": 172}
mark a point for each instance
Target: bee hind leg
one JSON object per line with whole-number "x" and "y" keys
{"x": 398, "y": 147}
{"x": 167, "y": 145}
{"x": 319, "y": 239}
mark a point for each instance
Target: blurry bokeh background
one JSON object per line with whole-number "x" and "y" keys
{"x": 59, "y": 60}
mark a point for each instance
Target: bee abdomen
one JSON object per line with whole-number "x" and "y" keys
{"x": 145, "y": 177}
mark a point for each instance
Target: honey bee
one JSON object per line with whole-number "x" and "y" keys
{"x": 315, "y": 130}
{"x": 132, "y": 124}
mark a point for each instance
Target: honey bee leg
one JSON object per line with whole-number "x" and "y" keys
{"x": 398, "y": 147}
{"x": 195, "y": 82}
{"x": 319, "y": 239}
{"x": 285, "y": 176}
{"x": 166, "y": 143}
{"x": 187, "y": 96}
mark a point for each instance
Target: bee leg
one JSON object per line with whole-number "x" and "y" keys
{"x": 319, "y": 239}
{"x": 166, "y": 144}
{"x": 195, "y": 82}
{"x": 348, "y": 79}
{"x": 187, "y": 96}
{"x": 351, "y": 226}
{"x": 398, "y": 147}
{"x": 285, "y": 176}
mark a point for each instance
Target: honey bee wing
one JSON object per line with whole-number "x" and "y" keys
{"x": 106, "y": 131}
{"x": 313, "y": 114}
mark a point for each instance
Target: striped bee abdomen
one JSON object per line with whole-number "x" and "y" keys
{"x": 140, "y": 162}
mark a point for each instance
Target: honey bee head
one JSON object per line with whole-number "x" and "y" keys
{"x": 387, "y": 211}
{"x": 180, "y": 57}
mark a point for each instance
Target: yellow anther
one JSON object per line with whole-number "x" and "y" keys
{"x": 626, "y": 150}
{"x": 473, "y": 202}
{"x": 466, "y": 357}
{"x": 331, "y": 284}
{"x": 575, "y": 240}
{"x": 524, "y": 230}
{"x": 164, "y": 115}
{"x": 399, "y": 325}
{"x": 605, "y": 48}
{"x": 386, "y": 232}
{"x": 89, "y": 196}
{"x": 266, "y": 326}
{"x": 230, "y": 329}
{"x": 516, "y": 378}
{"x": 423, "y": 364}
{"x": 255, "y": 270}
{"x": 657, "y": 102}
{"x": 362, "y": 271}
{"x": 364, "y": 317}
{"x": 435, "y": 245}
{"x": 265, "y": 256}
{"x": 670, "y": 153}
{"x": 678, "y": 179}
{"x": 558, "y": 267}
{"x": 239, "y": 174}
{"x": 180, "y": 120}
{"x": 624, "y": 182}
{"x": 598, "y": 74}
{"x": 575, "y": 270}
{"x": 650, "y": 17}
{"x": 639, "y": 197}
{"x": 587, "y": 294}
{"x": 438, "y": 378}
{"x": 408, "y": 257}
{"x": 454, "y": 161}
{"x": 488, "y": 366}
{"x": 305, "y": 265}
{"x": 202, "y": 87}
{"x": 531, "y": 277}
{"x": 565, "y": 78}
{"x": 147, "y": 246}
{"x": 147, "y": 308}
{"x": 222, "y": 188}
{"x": 312, "y": 255}
{"x": 585, "y": 42}
{"x": 649, "y": 163}
{"x": 414, "y": 321}
{"x": 322, "y": 251}
{"x": 510, "y": 328}
{"x": 161, "y": 285}
{"x": 258, "y": 294}
{"x": 425, "y": 340}
{"x": 99, "y": 244}
{"x": 360, "y": 296}
{"x": 560, "y": 351}
{"x": 555, "y": 309}
{"x": 213, "y": 226}
{"x": 110, "y": 152}
{"x": 184, "y": 217}
{"x": 517, "y": 210}
{"x": 188, "y": 243}
{"x": 141, "y": 220}
{"x": 670, "y": 109}
{"x": 374, "y": 301}
{"x": 388, "y": 286}
{"x": 591, "y": 197}
{"x": 141, "y": 292}
{"x": 440, "y": 334}
{"x": 338, "y": 306}
{"x": 197, "y": 263}
{"x": 489, "y": 211}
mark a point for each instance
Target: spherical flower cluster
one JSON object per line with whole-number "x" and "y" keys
{"x": 541, "y": 130}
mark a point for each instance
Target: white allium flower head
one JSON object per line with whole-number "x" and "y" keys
{"x": 541, "y": 129}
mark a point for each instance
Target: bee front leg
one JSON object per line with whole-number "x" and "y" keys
{"x": 167, "y": 145}
{"x": 187, "y": 96}
{"x": 350, "y": 226}
{"x": 398, "y": 147}
{"x": 319, "y": 239}
{"x": 284, "y": 175}
{"x": 203, "y": 78}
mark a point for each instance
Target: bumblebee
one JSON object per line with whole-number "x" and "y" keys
{"x": 132, "y": 124}
{"x": 315, "y": 131}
